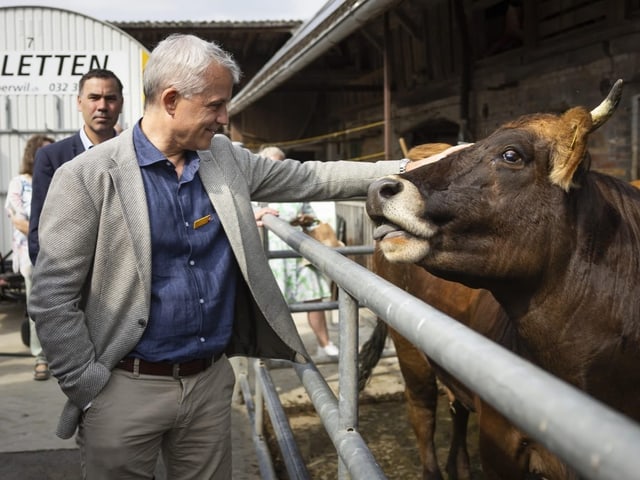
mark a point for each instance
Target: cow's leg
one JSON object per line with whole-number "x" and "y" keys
{"x": 498, "y": 445}
{"x": 508, "y": 453}
{"x": 458, "y": 465}
{"x": 421, "y": 392}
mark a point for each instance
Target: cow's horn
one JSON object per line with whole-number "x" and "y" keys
{"x": 603, "y": 112}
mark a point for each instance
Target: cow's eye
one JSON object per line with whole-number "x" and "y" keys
{"x": 511, "y": 156}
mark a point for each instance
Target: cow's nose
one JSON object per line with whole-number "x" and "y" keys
{"x": 380, "y": 191}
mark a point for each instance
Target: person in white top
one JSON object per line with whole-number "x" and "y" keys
{"x": 18, "y": 207}
{"x": 299, "y": 281}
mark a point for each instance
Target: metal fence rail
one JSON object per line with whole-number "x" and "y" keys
{"x": 597, "y": 441}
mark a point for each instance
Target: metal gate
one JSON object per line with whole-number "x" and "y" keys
{"x": 595, "y": 440}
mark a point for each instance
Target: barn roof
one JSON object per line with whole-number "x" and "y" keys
{"x": 334, "y": 21}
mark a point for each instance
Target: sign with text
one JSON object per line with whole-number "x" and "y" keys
{"x": 48, "y": 73}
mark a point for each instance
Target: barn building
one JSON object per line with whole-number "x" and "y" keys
{"x": 363, "y": 79}
{"x": 362, "y": 75}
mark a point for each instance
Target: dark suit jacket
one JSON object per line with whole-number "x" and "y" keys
{"x": 47, "y": 161}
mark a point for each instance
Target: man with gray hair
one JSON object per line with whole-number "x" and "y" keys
{"x": 151, "y": 272}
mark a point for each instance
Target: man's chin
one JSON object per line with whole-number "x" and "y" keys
{"x": 205, "y": 142}
{"x": 103, "y": 127}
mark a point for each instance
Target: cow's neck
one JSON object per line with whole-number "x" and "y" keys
{"x": 573, "y": 330}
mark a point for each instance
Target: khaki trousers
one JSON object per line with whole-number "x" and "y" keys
{"x": 136, "y": 417}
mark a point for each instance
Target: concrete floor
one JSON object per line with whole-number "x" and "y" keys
{"x": 29, "y": 414}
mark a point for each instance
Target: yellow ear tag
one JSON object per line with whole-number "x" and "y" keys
{"x": 201, "y": 221}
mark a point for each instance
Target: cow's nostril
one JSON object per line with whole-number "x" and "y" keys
{"x": 379, "y": 192}
{"x": 388, "y": 187}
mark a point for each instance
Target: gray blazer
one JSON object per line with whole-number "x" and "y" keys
{"x": 91, "y": 282}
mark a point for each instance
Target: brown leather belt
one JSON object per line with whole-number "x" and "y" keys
{"x": 165, "y": 369}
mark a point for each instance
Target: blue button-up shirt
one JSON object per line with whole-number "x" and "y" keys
{"x": 194, "y": 272}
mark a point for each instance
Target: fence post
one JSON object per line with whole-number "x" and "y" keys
{"x": 347, "y": 368}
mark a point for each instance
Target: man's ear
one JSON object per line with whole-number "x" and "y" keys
{"x": 169, "y": 99}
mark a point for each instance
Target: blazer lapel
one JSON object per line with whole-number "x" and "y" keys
{"x": 216, "y": 184}
{"x": 129, "y": 188}
{"x": 76, "y": 145}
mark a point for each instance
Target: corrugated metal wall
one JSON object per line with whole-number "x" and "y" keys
{"x": 43, "y": 53}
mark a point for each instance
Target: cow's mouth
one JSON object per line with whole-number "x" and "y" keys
{"x": 416, "y": 229}
{"x": 399, "y": 245}
{"x": 387, "y": 231}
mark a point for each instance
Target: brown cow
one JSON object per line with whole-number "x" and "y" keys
{"x": 421, "y": 390}
{"x": 520, "y": 214}
{"x": 478, "y": 310}
{"x": 507, "y": 452}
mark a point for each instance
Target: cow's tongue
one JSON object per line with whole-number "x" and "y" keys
{"x": 384, "y": 230}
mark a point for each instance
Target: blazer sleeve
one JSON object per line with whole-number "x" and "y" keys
{"x": 60, "y": 277}
{"x": 43, "y": 170}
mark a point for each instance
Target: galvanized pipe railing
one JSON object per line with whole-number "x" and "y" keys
{"x": 597, "y": 441}
{"x": 289, "y": 448}
{"x": 348, "y": 368}
{"x": 351, "y": 250}
{"x": 339, "y": 418}
{"x": 255, "y": 419}
{"x": 351, "y": 447}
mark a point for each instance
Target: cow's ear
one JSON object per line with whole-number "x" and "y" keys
{"x": 571, "y": 146}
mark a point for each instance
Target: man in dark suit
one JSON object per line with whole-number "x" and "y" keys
{"x": 100, "y": 102}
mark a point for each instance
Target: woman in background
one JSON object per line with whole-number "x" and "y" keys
{"x": 299, "y": 280}
{"x": 18, "y": 207}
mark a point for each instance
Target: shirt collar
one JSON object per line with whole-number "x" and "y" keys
{"x": 148, "y": 154}
{"x": 85, "y": 139}
{"x": 86, "y": 142}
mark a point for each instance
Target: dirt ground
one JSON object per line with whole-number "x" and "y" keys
{"x": 385, "y": 428}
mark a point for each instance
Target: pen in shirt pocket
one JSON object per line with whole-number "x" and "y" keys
{"x": 201, "y": 221}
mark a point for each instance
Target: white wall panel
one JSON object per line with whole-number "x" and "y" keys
{"x": 43, "y": 106}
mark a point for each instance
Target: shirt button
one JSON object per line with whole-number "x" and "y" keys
{"x": 202, "y": 300}
{"x": 202, "y": 339}
{"x": 142, "y": 322}
{"x": 192, "y": 263}
{"x": 186, "y": 224}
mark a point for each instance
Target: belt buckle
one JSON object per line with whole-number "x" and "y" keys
{"x": 176, "y": 370}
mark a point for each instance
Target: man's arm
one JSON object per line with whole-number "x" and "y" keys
{"x": 20, "y": 223}
{"x": 43, "y": 171}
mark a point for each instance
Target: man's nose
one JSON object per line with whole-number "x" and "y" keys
{"x": 223, "y": 116}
